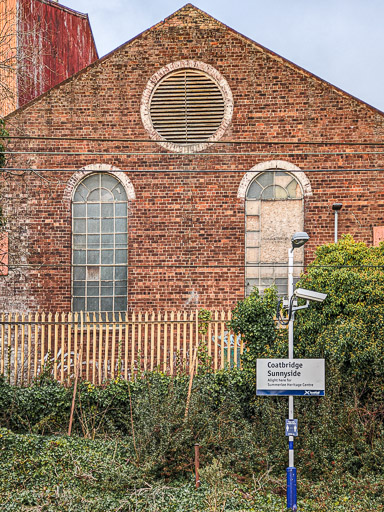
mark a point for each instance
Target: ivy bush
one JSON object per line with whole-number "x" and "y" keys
{"x": 348, "y": 328}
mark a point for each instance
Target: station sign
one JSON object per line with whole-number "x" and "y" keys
{"x": 290, "y": 377}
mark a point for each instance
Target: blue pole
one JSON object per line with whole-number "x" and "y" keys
{"x": 291, "y": 488}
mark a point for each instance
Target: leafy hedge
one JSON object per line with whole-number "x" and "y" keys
{"x": 58, "y": 473}
{"x": 347, "y": 329}
{"x": 243, "y": 455}
{"x": 225, "y": 417}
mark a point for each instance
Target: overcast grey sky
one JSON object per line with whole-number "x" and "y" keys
{"x": 341, "y": 41}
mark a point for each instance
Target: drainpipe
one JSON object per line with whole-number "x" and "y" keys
{"x": 336, "y": 207}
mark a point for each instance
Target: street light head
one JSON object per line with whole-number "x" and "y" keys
{"x": 337, "y": 206}
{"x": 299, "y": 239}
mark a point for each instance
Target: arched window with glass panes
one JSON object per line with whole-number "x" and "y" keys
{"x": 99, "y": 245}
{"x": 274, "y": 212}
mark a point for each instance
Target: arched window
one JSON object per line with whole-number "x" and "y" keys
{"x": 99, "y": 244}
{"x": 274, "y": 212}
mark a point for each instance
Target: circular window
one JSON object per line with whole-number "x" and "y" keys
{"x": 185, "y": 108}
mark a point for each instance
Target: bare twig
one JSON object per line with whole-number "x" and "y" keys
{"x": 132, "y": 423}
{"x": 192, "y": 371}
{"x": 77, "y": 371}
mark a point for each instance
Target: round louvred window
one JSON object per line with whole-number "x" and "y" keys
{"x": 187, "y": 108}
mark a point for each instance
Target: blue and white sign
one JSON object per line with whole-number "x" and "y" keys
{"x": 291, "y": 428}
{"x": 290, "y": 377}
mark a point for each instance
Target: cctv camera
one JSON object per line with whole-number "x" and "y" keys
{"x": 310, "y": 295}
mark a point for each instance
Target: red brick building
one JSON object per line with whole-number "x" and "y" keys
{"x": 41, "y": 44}
{"x": 172, "y": 172}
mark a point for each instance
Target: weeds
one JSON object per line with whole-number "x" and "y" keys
{"x": 132, "y": 447}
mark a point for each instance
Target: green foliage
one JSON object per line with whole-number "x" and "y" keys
{"x": 133, "y": 446}
{"x": 348, "y": 328}
{"x": 253, "y": 318}
{"x": 204, "y": 317}
{"x": 242, "y": 431}
{"x": 58, "y": 473}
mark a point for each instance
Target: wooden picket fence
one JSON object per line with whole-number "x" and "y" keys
{"x": 101, "y": 347}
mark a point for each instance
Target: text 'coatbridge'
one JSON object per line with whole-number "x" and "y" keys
{"x": 299, "y": 377}
{"x": 292, "y": 369}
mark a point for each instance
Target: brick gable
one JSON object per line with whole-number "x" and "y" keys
{"x": 179, "y": 224}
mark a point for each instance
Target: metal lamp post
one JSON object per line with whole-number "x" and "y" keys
{"x": 298, "y": 240}
{"x": 301, "y": 377}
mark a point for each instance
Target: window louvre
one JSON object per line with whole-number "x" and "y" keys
{"x": 187, "y": 106}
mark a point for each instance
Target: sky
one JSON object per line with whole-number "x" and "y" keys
{"x": 341, "y": 41}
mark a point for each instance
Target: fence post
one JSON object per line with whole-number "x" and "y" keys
{"x": 29, "y": 363}
{"x": 165, "y": 342}
{"x": 69, "y": 334}
{"x": 158, "y": 354}
{"x": 56, "y": 345}
{"x": 197, "y": 339}
{"x": 106, "y": 346}
{"x": 49, "y": 349}
{"x": 133, "y": 345}
{"x": 171, "y": 343}
{"x": 146, "y": 341}
{"x": 75, "y": 347}
{"x": 36, "y": 345}
{"x": 152, "y": 340}
{"x": 185, "y": 319}
{"x": 22, "y": 363}
{"x": 197, "y": 465}
{"x": 9, "y": 347}
{"x": 16, "y": 351}
{"x": 100, "y": 348}
{"x": 88, "y": 350}
{"x": 94, "y": 349}
{"x": 126, "y": 332}
{"x": 63, "y": 316}
{"x": 190, "y": 340}
{"x": 42, "y": 344}
{"x": 178, "y": 318}
{"x": 113, "y": 354}
{"x": 2, "y": 343}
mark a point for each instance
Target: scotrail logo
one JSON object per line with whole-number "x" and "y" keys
{"x": 311, "y": 393}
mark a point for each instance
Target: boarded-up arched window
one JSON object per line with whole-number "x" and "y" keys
{"x": 274, "y": 212}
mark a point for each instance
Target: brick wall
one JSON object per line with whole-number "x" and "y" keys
{"x": 180, "y": 223}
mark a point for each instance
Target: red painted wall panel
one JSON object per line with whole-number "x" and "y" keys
{"x": 54, "y": 42}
